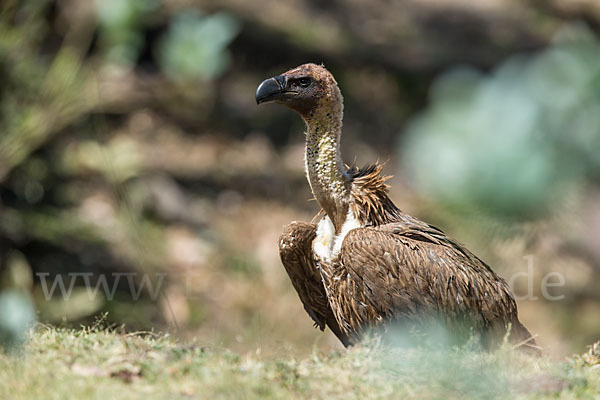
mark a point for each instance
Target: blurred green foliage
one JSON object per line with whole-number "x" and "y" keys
{"x": 195, "y": 46}
{"x": 17, "y": 316}
{"x": 121, "y": 22}
{"x": 513, "y": 142}
{"x": 17, "y": 312}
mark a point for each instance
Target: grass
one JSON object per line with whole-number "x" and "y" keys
{"x": 101, "y": 364}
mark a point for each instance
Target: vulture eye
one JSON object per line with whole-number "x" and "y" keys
{"x": 304, "y": 82}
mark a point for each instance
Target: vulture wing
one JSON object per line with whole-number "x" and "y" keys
{"x": 295, "y": 250}
{"x": 405, "y": 271}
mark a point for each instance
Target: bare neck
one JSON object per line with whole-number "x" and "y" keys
{"x": 323, "y": 163}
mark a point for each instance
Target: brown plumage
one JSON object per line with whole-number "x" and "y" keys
{"x": 364, "y": 263}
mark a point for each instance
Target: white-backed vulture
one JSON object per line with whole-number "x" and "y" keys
{"x": 364, "y": 263}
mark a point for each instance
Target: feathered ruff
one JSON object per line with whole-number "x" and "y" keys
{"x": 370, "y": 202}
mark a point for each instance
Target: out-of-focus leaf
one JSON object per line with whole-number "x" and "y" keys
{"x": 195, "y": 47}
{"x": 514, "y": 142}
{"x": 120, "y": 21}
{"x": 17, "y": 315}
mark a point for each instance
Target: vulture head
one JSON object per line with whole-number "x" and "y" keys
{"x": 306, "y": 89}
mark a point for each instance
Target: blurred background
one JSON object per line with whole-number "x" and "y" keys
{"x": 131, "y": 150}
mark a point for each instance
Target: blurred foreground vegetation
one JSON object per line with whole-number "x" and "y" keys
{"x": 131, "y": 147}
{"x": 99, "y": 364}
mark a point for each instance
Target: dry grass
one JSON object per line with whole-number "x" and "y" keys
{"x": 100, "y": 364}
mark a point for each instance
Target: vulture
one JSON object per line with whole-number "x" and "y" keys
{"x": 362, "y": 263}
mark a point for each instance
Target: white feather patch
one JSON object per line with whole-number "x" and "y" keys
{"x": 349, "y": 224}
{"x": 324, "y": 240}
{"x": 327, "y": 245}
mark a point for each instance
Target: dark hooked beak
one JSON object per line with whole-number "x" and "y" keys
{"x": 271, "y": 89}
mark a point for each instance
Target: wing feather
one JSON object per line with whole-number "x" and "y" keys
{"x": 411, "y": 271}
{"x": 295, "y": 250}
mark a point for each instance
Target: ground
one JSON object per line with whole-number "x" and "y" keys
{"x": 93, "y": 363}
